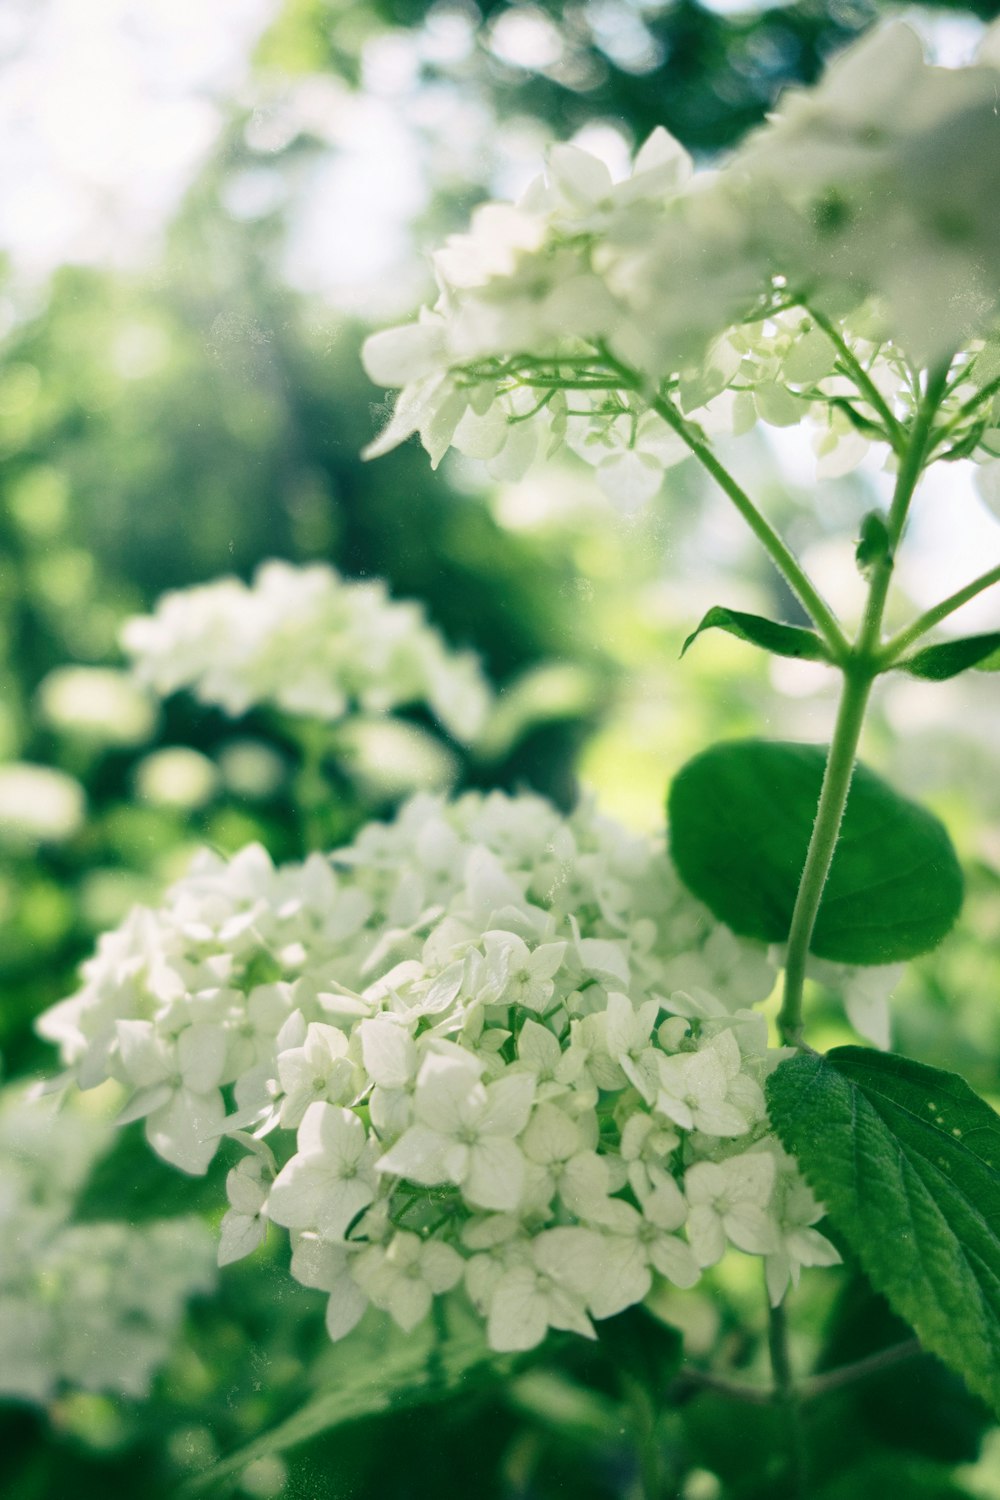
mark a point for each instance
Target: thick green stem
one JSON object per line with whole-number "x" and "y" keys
{"x": 860, "y": 671}
{"x": 786, "y": 1397}
{"x": 782, "y": 557}
{"x": 826, "y": 829}
{"x": 895, "y": 647}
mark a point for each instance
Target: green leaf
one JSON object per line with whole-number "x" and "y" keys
{"x": 907, "y": 1161}
{"x": 740, "y": 817}
{"x": 918, "y": 1404}
{"x": 396, "y": 1372}
{"x": 949, "y": 658}
{"x": 881, "y": 1475}
{"x": 873, "y": 541}
{"x": 781, "y": 640}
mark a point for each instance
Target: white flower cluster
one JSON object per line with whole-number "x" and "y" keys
{"x": 485, "y": 1044}
{"x": 306, "y": 641}
{"x": 869, "y": 203}
{"x": 884, "y": 182}
{"x": 95, "y": 1306}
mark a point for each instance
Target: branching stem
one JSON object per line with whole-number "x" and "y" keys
{"x": 814, "y": 1387}
{"x": 895, "y": 646}
{"x": 777, "y": 550}
{"x": 893, "y": 428}
{"x": 860, "y": 670}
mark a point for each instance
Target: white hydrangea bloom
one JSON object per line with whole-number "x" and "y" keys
{"x": 853, "y": 235}
{"x": 883, "y": 182}
{"x": 459, "y": 1039}
{"x": 91, "y": 1306}
{"x": 306, "y": 641}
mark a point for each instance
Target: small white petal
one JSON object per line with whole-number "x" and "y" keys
{"x": 186, "y": 1131}
{"x": 240, "y": 1235}
{"x": 495, "y": 1174}
{"x": 420, "y": 1154}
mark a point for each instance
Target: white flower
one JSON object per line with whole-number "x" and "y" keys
{"x": 177, "y": 1090}
{"x": 633, "y": 1242}
{"x": 550, "y": 1290}
{"x": 729, "y": 1200}
{"x": 515, "y": 975}
{"x": 245, "y": 1223}
{"x": 318, "y": 1069}
{"x": 697, "y": 1089}
{"x": 326, "y": 1265}
{"x": 83, "y": 1306}
{"x": 465, "y": 1133}
{"x": 795, "y": 1211}
{"x": 306, "y": 641}
{"x": 330, "y": 1179}
{"x": 388, "y": 998}
{"x": 404, "y": 1276}
{"x": 564, "y": 1161}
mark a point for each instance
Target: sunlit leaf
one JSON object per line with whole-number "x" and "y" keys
{"x": 770, "y": 635}
{"x": 741, "y": 815}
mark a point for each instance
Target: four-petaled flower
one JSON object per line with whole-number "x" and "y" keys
{"x": 465, "y": 1132}
{"x": 330, "y": 1179}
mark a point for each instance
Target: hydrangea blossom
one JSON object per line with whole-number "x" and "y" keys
{"x": 882, "y": 182}
{"x": 94, "y": 1306}
{"x": 855, "y": 233}
{"x": 458, "y": 1056}
{"x": 308, "y": 642}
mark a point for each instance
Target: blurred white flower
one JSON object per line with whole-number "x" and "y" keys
{"x": 39, "y": 805}
{"x": 308, "y": 642}
{"x": 92, "y": 1306}
{"x": 97, "y": 704}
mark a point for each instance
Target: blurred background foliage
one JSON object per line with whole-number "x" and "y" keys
{"x": 181, "y": 397}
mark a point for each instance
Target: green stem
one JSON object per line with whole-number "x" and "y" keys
{"x": 786, "y": 1398}
{"x": 897, "y": 644}
{"x": 644, "y": 1410}
{"x": 311, "y": 790}
{"x": 826, "y": 829}
{"x": 860, "y": 671}
{"x": 906, "y": 482}
{"x": 783, "y": 559}
{"x": 861, "y": 1369}
{"x": 813, "y": 1388}
{"x": 893, "y": 428}
{"x": 986, "y": 394}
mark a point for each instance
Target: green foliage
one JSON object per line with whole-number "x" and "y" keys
{"x": 873, "y": 541}
{"x": 880, "y": 1475}
{"x": 949, "y": 658}
{"x": 769, "y": 635}
{"x": 133, "y": 1185}
{"x": 907, "y": 1159}
{"x": 740, "y": 818}
{"x": 394, "y": 1372}
{"x": 915, "y": 1403}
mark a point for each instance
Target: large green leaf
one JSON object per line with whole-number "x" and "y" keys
{"x": 949, "y": 658}
{"x": 907, "y": 1161}
{"x": 740, "y": 817}
{"x": 770, "y": 635}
